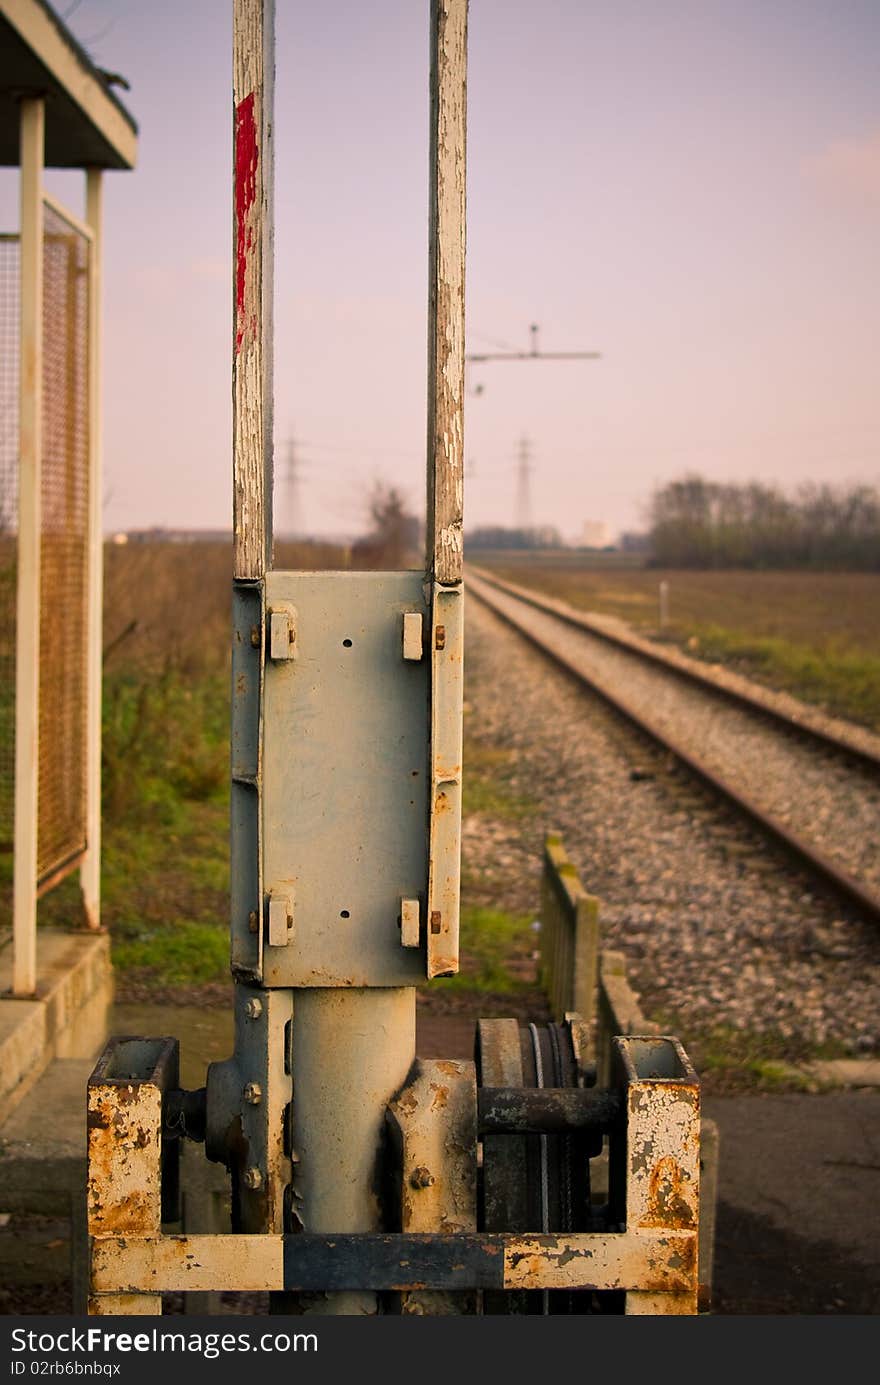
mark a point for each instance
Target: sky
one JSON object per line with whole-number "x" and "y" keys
{"x": 689, "y": 187}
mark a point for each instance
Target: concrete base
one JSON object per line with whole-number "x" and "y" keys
{"x": 48, "y": 1046}
{"x": 43, "y": 1173}
{"x": 43, "y": 1142}
{"x": 43, "y": 1163}
{"x": 67, "y": 1018}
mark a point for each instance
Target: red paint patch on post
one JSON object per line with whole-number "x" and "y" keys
{"x": 247, "y": 156}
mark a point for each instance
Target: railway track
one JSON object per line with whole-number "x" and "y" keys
{"x": 816, "y": 793}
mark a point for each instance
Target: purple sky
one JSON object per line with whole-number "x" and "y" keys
{"x": 690, "y": 187}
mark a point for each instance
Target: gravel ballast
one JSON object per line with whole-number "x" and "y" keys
{"x": 719, "y": 930}
{"x": 823, "y": 798}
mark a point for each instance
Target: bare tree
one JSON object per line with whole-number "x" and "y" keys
{"x": 392, "y": 540}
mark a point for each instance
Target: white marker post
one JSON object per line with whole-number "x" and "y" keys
{"x": 664, "y": 605}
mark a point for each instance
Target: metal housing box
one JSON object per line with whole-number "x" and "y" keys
{"x": 346, "y": 779}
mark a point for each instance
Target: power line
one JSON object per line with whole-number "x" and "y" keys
{"x": 493, "y": 341}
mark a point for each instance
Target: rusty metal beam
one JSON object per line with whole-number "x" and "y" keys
{"x": 27, "y": 619}
{"x": 653, "y": 1261}
{"x": 545, "y": 1110}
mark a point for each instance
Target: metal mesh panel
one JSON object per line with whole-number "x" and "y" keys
{"x": 64, "y": 546}
{"x": 9, "y": 347}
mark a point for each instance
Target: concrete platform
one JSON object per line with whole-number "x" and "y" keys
{"x": 43, "y": 1141}
{"x": 48, "y": 1046}
{"x": 43, "y": 1182}
{"x": 66, "y": 1019}
{"x": 42, "y": 1177}
{"x": 798, "y": 1221}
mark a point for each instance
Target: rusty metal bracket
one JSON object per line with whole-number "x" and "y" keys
{"x": 447, "y": 693}
{"x": 132, "y": 1171}
{"x": 432, "y": 1127}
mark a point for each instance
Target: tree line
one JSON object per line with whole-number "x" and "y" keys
{"x": 695, "y": 523}
{"x": 500, "y": 536}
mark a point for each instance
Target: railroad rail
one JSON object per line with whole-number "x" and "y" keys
{"x": 512, "y": 604}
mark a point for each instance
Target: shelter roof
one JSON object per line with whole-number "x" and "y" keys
{"x": 87, "y": 125}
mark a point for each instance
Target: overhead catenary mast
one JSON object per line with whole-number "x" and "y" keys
{"x": 525, "y": 465}
{"x": 524, "y": 468}
{"x": 533, "y": 353}
{"x": 293, "y": 488}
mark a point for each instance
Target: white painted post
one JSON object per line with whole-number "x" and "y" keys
{"x": 90, "y": 871}
{"x": 664, "y": 605}
{"x": 446, "y": 260}
{"x": 446, "y": 290}
{"x": 27, "y": 647}
{"x": 253, "y": 69}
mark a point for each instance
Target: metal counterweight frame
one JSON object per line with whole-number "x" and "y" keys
{"x": 653, "y": 1129}
{"x": 355, "y": 1167}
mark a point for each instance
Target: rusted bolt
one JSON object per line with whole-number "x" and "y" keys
{"x": 253, "y": 1093}
{"x": 254, "y": 1009}
{"x": 436, "y": 920}
{"x": 252, "y": 1178}
{"x": 255, "y": 636}
{"x": 440, "y": 637}
{"x": 421, "y": 1177}
{"x": 253, "y": 921}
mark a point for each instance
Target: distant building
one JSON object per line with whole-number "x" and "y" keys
{"x": 595, "y": 534}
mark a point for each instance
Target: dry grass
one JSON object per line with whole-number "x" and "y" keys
{"x": 169, "y": 605}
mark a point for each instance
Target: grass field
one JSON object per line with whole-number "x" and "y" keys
{"x": 813, "y": 634}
